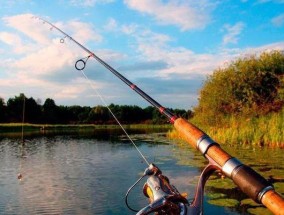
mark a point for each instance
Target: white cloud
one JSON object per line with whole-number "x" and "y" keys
{"x": 267, "y": 1}
{"x": 129, "y": 29}
{"x": 30, "y": 72}
{"x": 232, "y": 33}
{"x": 89, "y": 3}
{"x": 268, "y": 47}
{"x": 154, "y": 47}
{"x": 185, "y": 15}
{"x": 36, "y": 63}
{"x": 41, "y": 57}
{"x": 83, "y": 32}
{"x": 188, "y": 64}
{"x": 184, "y": 62}
{"x": 58, "y": 55}
{"x": 24, "y": 23}
{"x": 15, "y": 41}
{"x": 10, "y": 39}
{"x": 278, "y": 21}
{"x": 111, "y": 25}
{"x": 180, "y": 61}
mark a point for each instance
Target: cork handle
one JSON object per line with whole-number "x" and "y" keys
{"x": 249, "y": 181}
{"x": 188, "y": 131}
{"x": 274, "y": 202}
{"x": 192, "y": 134}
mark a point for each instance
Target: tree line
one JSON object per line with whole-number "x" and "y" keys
{"x": 33, "y": 111}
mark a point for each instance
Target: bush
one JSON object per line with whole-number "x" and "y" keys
{"x": 250, "y": 86}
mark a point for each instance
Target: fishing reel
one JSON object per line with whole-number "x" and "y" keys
{"x": 164, "y": 198}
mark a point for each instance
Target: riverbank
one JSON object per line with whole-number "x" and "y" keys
{"x": 17, "y": 127}
{"x": 256, "y": 131}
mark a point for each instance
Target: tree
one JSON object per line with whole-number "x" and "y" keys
{"x": 99, "y": 114}
{"x": 3, "y": 111}
{"x": 15, "y": 108}
{"x": 247, "y": 86}
{"x": 32, "y": 111}
{"x": 50, "y": 111}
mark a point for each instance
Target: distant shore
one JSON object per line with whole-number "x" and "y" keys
{"x": 17, "y": 127}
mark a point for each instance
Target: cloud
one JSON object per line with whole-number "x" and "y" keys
{"x": 82, "y": 31}
{"x": 154, "y": 47}
{"x": 185, "y": 15}
{"x": 232, "y": 33}
{"x": 47, "y": 69}
{"x": 267, "y": 1}
{"x": 178, "y": 62}
{"x": 89, "y": 3}
{"x": 42, "y": 65}
{"x": 24, "y": 23}
{"x": 278, "y": 21}
{"x": 111, "y": 25}
{"x": 36, "y": 63}
{"x": 144, "y": 35}
{"x": 10, "y": 39}
{"x": 145, "y": 65}
{"x": 129, "y": 29}
{"x": 166, "y": 61}
{"x": 16, "y": 43}
{"x": 59, "y": 55}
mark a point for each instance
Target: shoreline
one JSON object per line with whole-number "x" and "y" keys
{"x": 17, "y": 127}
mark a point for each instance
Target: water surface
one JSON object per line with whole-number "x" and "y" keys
{"x": 90, "y": 174}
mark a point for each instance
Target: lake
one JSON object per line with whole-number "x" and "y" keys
{"x": 89, "y": 173}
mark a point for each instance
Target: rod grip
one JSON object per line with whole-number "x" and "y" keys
{"x": 193, "y": 135}
{"x": 274, "y": 202}
{"x": 249, "y": 181}
{"x": 188, "y": 131}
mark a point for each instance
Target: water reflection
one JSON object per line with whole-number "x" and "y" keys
{"x": 66, "y": 175}
{"x": 89, "y": 173}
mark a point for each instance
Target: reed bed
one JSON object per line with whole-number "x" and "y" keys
{"x": 257, "y": 131}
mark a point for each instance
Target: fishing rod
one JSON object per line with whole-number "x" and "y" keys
{"x": 162, "y": 195}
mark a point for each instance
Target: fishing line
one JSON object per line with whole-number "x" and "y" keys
{"x": 23, "y": 119}
{"x": 20, "y": 175}
{"x": 81, "y": 64}
{"x": 113, "y": 115}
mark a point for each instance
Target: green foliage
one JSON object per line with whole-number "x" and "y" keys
{"x": 50, "y": 113}
{"x": 3, "y": 110}
{"x": 255, "y": 131}
{"x": 250, "y": 86}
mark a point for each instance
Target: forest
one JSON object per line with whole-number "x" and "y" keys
{"x": 20, "y": 106}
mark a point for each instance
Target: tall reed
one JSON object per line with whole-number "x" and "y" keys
{"x": 257, "y": 131}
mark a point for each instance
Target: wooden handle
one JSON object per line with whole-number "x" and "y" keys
{"x": 274, "y": 202}
{"x": 192, "y": 135}
{"x": 249, "y": 181}
{"x": 188, "y": 131}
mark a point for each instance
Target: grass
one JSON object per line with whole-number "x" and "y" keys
{"x": 258, "y": 131}
{"x": 16, "y": 127}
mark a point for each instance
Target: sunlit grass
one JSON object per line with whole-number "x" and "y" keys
{"x": 258, "y": 131}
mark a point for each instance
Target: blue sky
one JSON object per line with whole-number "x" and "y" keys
{"x": 165, "y": 47}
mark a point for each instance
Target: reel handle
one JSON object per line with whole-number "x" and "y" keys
{"x": 154, "y": 206}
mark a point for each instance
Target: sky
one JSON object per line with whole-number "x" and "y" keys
{"x": 166, "y": 47}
